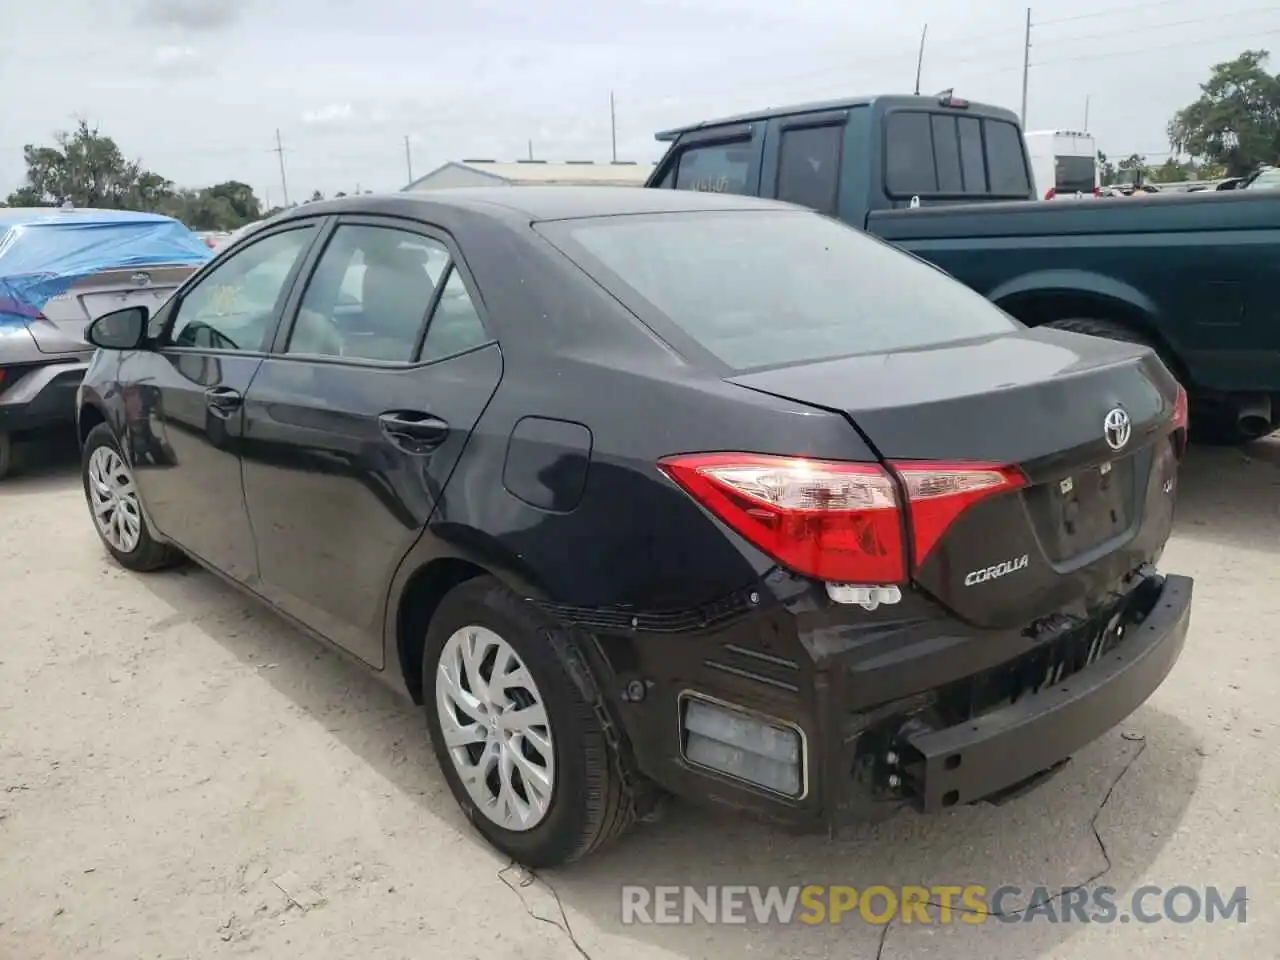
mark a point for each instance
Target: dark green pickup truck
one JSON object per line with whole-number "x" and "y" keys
{"x": 1196, "y": 275}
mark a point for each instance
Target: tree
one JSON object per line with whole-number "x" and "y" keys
{"x": 315, "y": 195}
{"x": 1236, "y": 121}
{"x": 89, "y": 170}
{"x": 1107, "y": 169}
{"x": 1171, "y": 171}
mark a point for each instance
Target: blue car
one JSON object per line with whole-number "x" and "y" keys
{"x": 61, "y": 268}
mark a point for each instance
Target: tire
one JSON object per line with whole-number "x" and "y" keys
{"x": 6, "y": 455}
{"x": 139, "y": 551}
{"x": 586, "y": 805}
{"x": 1105, "y": 328}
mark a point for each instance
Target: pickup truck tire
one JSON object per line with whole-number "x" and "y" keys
{"x": 6, "y": 455}
{"x": 1104, "y": 328}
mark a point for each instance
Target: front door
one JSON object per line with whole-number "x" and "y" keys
{"x": 356, "y": 420}
{"x": 187, "y": 422}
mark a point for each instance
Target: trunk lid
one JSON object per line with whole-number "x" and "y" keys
{"x": 1038, "y": 400}
{"x": 65, "y": 317}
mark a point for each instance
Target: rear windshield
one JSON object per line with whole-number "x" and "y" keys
{"x": 1074, "y": 174}
{"x": 953, "y": 155}
{"x": 758, "y": 288}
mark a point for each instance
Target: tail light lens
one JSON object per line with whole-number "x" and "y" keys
{"x": 836, "y": 521}
{"x": 1050, "y": 193}
{"x": 1181, "y": 410}
{"x": 1097, "y": 191}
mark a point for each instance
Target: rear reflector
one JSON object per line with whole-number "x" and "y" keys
{"x": 836, "y": 521}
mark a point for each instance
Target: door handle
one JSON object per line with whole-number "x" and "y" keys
{"x": 223, "y": 399}
{"x": 413, "y": 431}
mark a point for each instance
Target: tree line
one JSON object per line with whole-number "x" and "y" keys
{"x": 1230, "y": 130}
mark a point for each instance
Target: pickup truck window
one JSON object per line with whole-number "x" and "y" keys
{"x": 714, "y": 168}
{"x": 759, "y": 288}
{"x": 940, "y": 154}
{"x": 809, "y": 166}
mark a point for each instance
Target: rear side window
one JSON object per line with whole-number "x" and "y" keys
{"x": 809, "y": 166}
{"x": 759, "y": 288}
{"x": 715, "y": 168}
{"x": 948, "y": 155}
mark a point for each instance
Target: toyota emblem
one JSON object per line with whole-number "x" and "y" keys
{"x": 1116, "y": 427}
{"x": 141, "y": 279}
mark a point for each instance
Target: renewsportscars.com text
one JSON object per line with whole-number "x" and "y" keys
{"x": 941, "y": 904}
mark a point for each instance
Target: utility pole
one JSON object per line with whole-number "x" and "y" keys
{"x": 530, "y": 149}
{"x": 613, "y": 127}
{"x": 1087, "y": 97}
{"x": 920, "y": 59}
{"x": 1026, "y": 68}
{"x": 408, "y": 157}
{"x": 284, "y": 183}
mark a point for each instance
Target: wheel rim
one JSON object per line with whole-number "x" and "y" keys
{"x": 493, "y": 722}
{"x": 113, "y": 498}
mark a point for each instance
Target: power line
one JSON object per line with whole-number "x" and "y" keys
{"x": 1110, "y": 13}
{"x": 1161, "y": 46}
{"x": 1174, "y": 23}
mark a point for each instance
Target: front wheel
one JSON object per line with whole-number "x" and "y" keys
{"x": 518, "y": 741}
{"x": 116, "y": 508}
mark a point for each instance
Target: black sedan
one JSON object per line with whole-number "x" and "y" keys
{"x": 645, "y": 492}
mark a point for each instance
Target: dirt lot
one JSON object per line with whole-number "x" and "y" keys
{"x": 173, "y": 759}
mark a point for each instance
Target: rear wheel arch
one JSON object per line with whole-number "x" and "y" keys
{"x": 1052, "y": 309}
{"x": 425, "y": 589}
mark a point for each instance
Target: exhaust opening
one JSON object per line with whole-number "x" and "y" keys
{"x": 1253, "y": 417}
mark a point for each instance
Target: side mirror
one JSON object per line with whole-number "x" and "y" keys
{"x": 119, "y": 329}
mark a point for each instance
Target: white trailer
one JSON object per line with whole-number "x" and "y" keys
{"x": 1064, "y": 164}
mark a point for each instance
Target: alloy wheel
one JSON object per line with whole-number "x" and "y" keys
{"x": 113, "y": 498}
{"x": 494, "y": 724}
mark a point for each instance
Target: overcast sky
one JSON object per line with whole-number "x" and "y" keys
{"x": 197, "y": 88}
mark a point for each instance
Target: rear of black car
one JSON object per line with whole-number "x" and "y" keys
{"x": 956, "y": 608}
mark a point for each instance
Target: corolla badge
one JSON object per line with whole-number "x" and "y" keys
{"x": 974, "y": 577}
{"x": 141, "y": 279}
{"x": 1116, "y": 428}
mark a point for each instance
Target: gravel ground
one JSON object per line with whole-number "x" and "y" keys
{"x": 183, "y": 775}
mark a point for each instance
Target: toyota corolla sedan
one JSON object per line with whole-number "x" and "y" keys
{"x": 647, "y": 492}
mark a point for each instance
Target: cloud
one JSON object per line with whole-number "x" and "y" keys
{"x": 330, "y": 113}
{"x": 173, "y": 56}
{"x": 194, "y": 16}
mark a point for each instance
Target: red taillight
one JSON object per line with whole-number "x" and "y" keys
{"x": 940, "y": 492}
{"x": 1097, "y": 191}
{"x": 1181, "y": 411}
{"x": 835, "y": 521}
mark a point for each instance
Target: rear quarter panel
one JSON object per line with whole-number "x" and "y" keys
{"x": 1198, "y": 270}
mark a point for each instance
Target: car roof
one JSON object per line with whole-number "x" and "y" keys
{"x": 844, "y": 103}
{"x": 536, "y": 203}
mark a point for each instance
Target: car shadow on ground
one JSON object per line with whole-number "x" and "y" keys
{"x": 44, "y": 465}
{"x": 1230, "y": 496}
{"x": 1105, "y": 818}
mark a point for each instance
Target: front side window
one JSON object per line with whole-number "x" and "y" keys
{"x": 809, "y": 167}
{"x": 759, "y": 288}
{"x": 369, "y": 295}
{"x": 234, "y": 306}
{"x": 715, "y": 168}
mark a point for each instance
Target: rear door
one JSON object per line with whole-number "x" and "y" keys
{"x": 804, "y": 154}
{"x": 185, "y": 397}
{"x": 356, "y": 420}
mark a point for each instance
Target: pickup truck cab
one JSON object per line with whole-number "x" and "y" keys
{"x": 1191, "y": 275}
